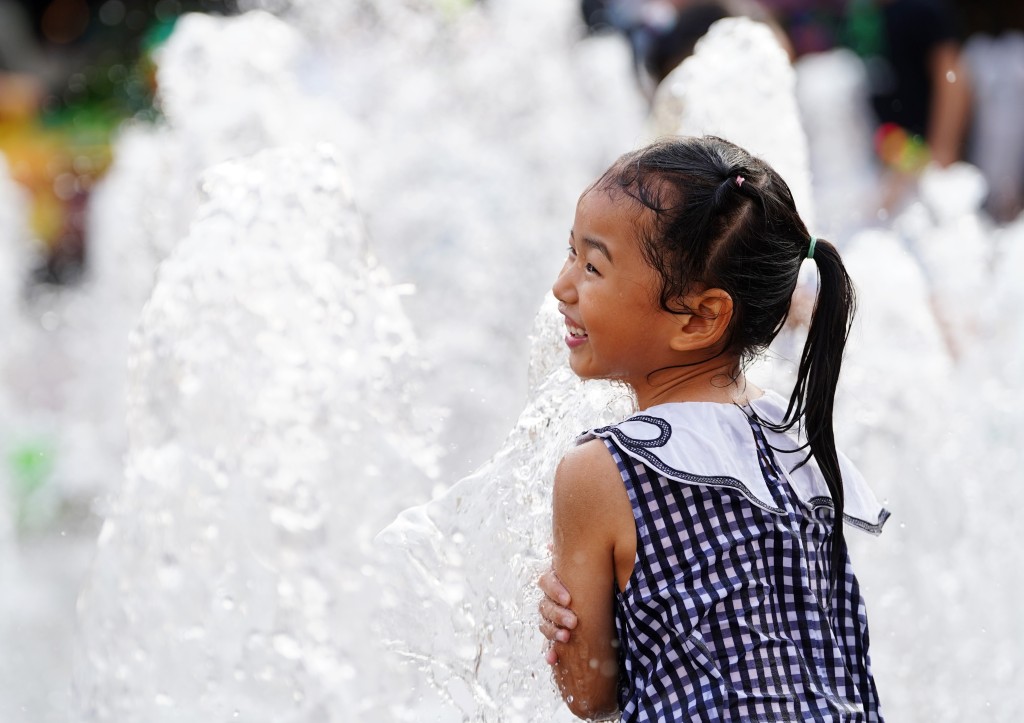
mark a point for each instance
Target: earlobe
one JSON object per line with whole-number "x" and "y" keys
{"x": 707, "y": 324}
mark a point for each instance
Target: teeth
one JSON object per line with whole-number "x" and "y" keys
{"x": 576, "y": 331}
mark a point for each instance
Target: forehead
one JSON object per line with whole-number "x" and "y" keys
{"x": 606, "y": 204}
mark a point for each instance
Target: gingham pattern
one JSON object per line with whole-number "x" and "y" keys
{"x": 727, "y": 616}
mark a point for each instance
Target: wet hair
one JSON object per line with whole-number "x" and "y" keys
{"x": 721, "y": 218}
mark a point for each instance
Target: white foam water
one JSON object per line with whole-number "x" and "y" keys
{"x": 273, "y": 430}
{"x": 470, "y": 557}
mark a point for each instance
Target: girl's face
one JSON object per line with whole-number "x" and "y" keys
{"x": 608, "y": 293}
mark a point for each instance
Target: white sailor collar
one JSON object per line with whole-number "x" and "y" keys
{"x": 697, "y": 443}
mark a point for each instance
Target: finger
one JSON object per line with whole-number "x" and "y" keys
{"x": 554, "y": 589}
{"x": 551, "y": 656}
{"x": 556, "y": 614}
{"x": 554, "y": 633}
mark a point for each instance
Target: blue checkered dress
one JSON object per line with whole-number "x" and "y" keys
{"x": 727, "y": 616}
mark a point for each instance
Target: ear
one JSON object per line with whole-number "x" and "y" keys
{"x": 707, "y": 323}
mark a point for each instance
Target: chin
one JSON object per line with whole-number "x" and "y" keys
{"x": 580, "y": 372}
{"x": 590, "y": 374}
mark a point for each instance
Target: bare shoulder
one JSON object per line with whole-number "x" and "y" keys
{"x": 588, "y": 483}
{"x": 588, "y": 467}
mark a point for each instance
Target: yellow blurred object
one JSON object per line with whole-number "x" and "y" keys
{"x": 57, "y": 169}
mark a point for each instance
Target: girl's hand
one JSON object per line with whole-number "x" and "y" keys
{"x": 557, "y": 618}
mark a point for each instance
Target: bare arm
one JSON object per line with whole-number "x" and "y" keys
{"x": 591, "y": 512}
{"x": 950, "y": 110}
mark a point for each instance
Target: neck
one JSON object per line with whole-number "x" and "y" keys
{"x": 717, "y": 380}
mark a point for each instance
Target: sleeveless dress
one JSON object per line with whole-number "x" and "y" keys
{"x": 727, "y": 615}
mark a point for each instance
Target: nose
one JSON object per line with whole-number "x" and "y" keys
{"x": 564, "y": 288}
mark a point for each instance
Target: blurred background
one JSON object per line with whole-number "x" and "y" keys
{"x": 72, "y": 72}
{"x": 465, "y": 131}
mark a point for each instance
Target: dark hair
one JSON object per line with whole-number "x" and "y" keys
{"x": 725, "y": 219}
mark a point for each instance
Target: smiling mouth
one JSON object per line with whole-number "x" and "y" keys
{"x": 575, "y": 332}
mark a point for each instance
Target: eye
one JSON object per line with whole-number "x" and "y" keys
{"x": 571, "y": 251}
{"x": 591, "y": 270}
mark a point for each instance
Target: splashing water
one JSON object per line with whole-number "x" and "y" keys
{"x": 266, "y": 416}
{"x": 832, "y": 93}
{"x": 471, "y": 556}
{"x": 222, "y": 101}
{"x": 219, "y": 103}
{"x": 220, "y": 588}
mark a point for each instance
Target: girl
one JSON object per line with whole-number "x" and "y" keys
{"x": 700, "y": 572}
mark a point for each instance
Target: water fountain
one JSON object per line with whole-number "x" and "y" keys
{"x": 203, "y": 127}
{"x": 469, "y": 558}
{"x": 467, "y": 130}
{"x": 273, "y": 430}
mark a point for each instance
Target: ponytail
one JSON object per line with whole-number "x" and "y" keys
{"x": 814, "y": 394}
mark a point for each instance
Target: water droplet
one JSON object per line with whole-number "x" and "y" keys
{"x": 950, "y": 76}
{"x": 287, "y": 646}
{"x": 49, "y": 320}
{"x": 189, "y": 385}
{"x": 163, "y": 700}
{"x": 169, "y": 575}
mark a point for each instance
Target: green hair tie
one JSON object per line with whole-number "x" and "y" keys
{"x": 810, "y": 249}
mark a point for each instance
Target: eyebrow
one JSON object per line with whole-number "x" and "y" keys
{"x": 595, "y": 244}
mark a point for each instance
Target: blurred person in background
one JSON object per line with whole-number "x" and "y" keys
{"x": 920, "y": 86}
{"x": 946, "y": 76}
{"x": 912, "y": 49}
